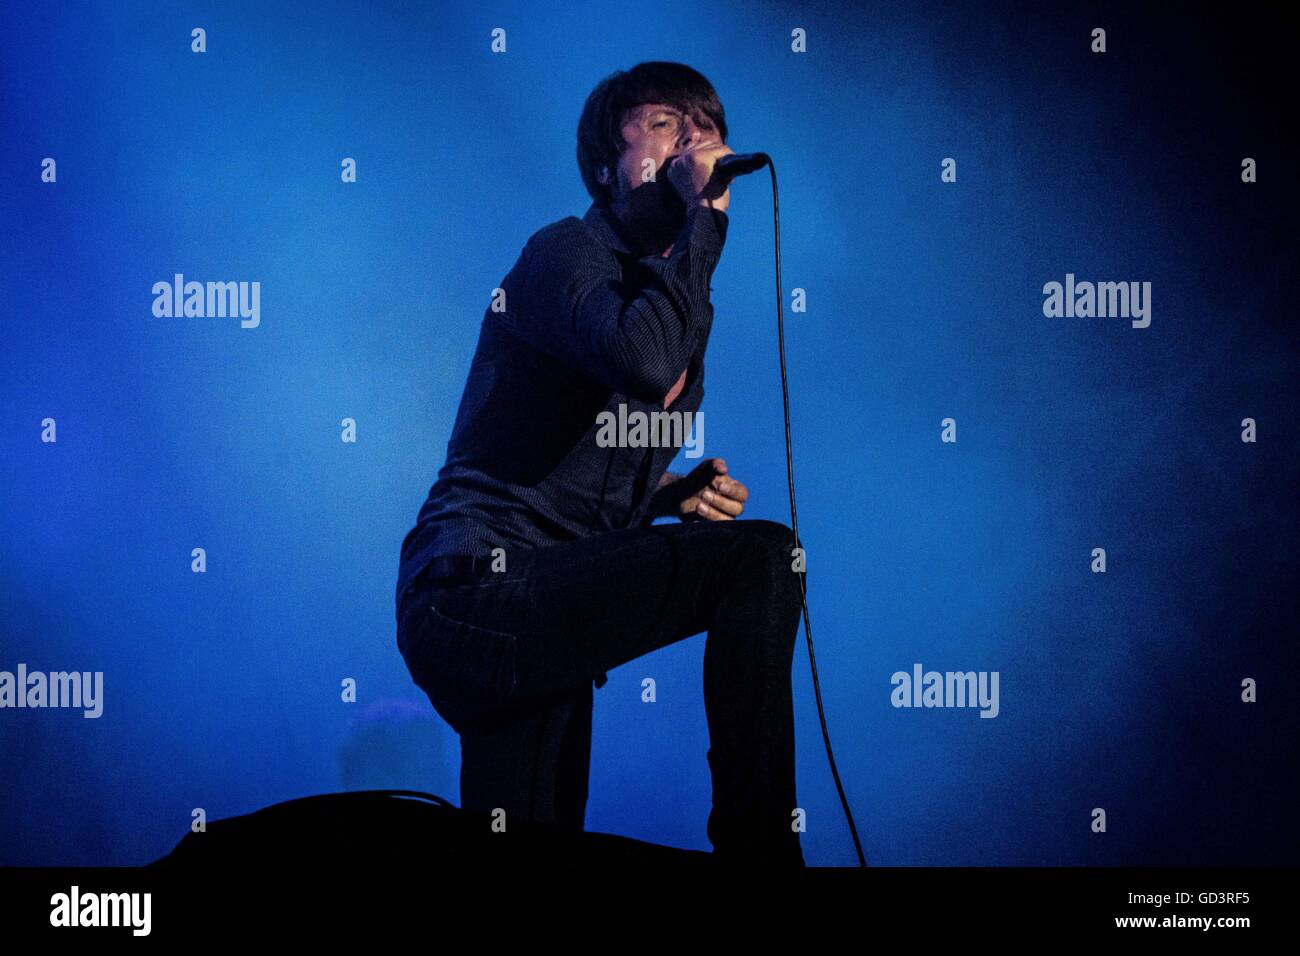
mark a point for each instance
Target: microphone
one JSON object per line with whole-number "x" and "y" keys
{"x": 739, "y": 164}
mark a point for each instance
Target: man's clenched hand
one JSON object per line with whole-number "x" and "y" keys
{"x": 708, "y": 493}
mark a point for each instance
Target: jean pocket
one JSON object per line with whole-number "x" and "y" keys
{"x": 467, "y": 671}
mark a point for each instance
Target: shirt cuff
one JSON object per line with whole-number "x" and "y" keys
{"x": 706, "y": 229}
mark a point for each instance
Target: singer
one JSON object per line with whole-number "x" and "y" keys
{"x": 534, "y": 567}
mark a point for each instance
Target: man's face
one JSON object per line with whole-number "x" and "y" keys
{"x": 656, "y": 134}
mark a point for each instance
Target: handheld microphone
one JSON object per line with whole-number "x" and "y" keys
{"x": 739, "y": 164}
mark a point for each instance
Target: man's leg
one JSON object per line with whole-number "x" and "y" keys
{"x": 563, "y": 614}
{"x": 535, "y": 767}
{"x": 531, "y": 761}
{"x": 748, "y": 700}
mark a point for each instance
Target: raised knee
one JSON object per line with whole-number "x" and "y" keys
{"x": 772, "y": 546}
{"x": 774, "y": 535}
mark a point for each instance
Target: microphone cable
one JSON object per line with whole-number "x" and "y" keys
{"x": 794, "y": 518}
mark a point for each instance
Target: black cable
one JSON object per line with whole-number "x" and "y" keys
{"x": 794, "y": 518}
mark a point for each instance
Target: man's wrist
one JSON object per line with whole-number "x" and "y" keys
{"x": 660, "y": 504}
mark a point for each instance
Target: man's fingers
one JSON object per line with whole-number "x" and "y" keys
{"x": 723, "y": 503}
{"x": 713, "y": 514}
{"x": 720, "y": 498}
{"x": 730, "y": 488}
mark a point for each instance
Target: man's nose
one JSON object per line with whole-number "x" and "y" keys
{"x": 691, "y": 134}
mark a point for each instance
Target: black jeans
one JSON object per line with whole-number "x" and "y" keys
{"x": 494, "y": 653}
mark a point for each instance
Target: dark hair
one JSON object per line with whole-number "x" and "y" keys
{"x": 600, "y": 129}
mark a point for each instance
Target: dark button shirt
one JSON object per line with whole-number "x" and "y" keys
{"x": 586, "y": 325}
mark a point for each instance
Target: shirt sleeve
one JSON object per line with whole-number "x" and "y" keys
{"x": 636, "y": 337}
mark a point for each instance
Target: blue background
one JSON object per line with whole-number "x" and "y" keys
{"x": 1119, "y": 691}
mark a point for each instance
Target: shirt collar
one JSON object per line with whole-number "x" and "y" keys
{"x": 602, "y": 221}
